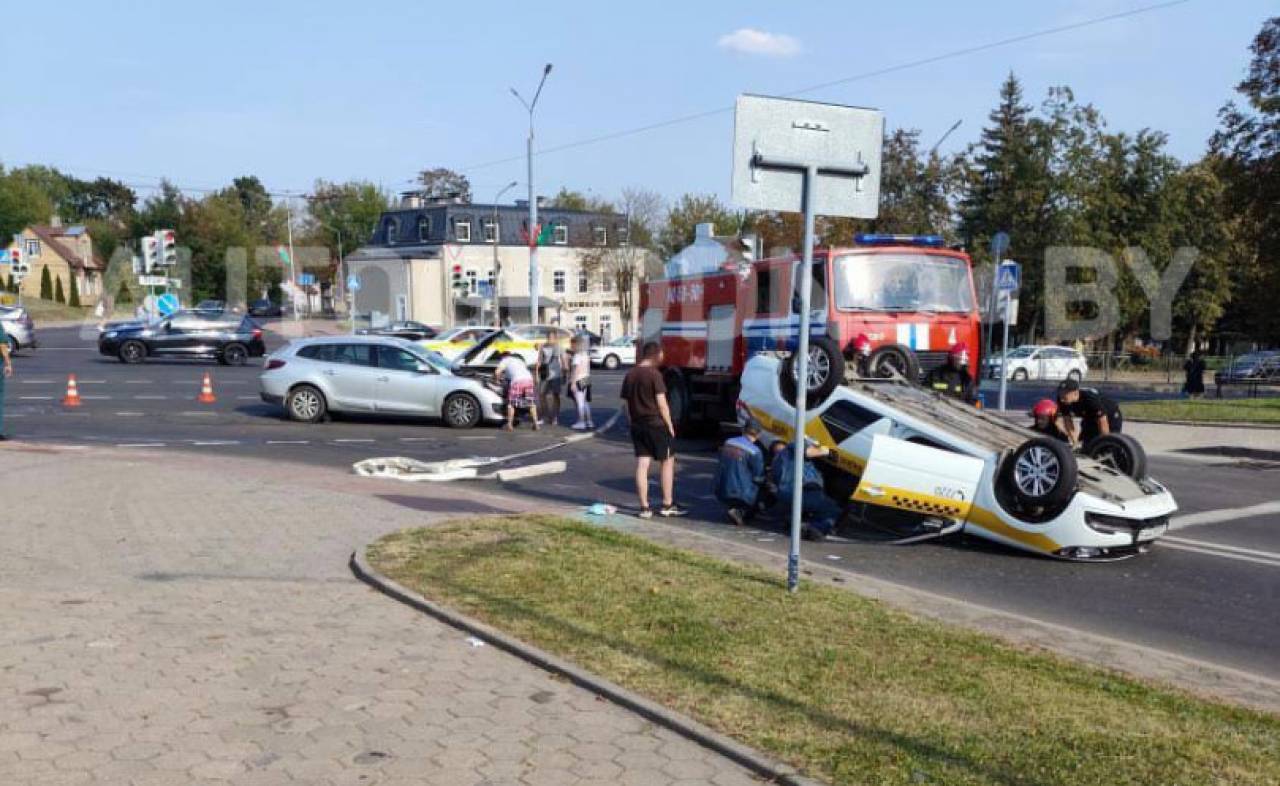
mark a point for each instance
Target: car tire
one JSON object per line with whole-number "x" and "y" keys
{"x": 1120, "y": 452}
{"x": 1020, "y": 375}
{"x": 826, "y": 371}
{"x": 234, "y": 354}
{"x": 893, "y": 360}
{"x": 1040, "y": 473}
{"x": 132, "y": 352}
{"x": 461, "y": 410}
{"x": 306, "y": 404}
{"x": 611, "y": 362}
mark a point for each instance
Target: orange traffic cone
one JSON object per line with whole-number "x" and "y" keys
{"x": 72, "y": 399}
{"x": 206, "y": 391}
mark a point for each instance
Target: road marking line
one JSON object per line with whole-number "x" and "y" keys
{"x": 247, "y": 398}
{"x": 1272, "y": 563}
{"x": 138, "y": 382}
{"x": 1208, "y": 544}
{"x": 151, "y": 397}
{"x": 200, "y": 414}
{"x": 1224, "y": 514}
{"x": 140, "y": 444}
{"x": 91, "y": 381}
{"x": 355, "y": 440}
{"x": 288, "y": 442}
{"x": 479, "y": 436}
{"x": 129, "y": 414}
{"x": 96, "y": 398}
{"x": 420, "y": 439}
{"x": 34, "y": 398}
{"x": 37, "y": 381}
{"x": 217, "y": 442}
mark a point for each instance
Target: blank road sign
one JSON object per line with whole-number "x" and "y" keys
{"x": 827, "y": 136}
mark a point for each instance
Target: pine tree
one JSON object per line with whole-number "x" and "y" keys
{"x": 46, "y": 284}
{"x": 58, "y": 295}
{"x": 123, "y": 295}
{"x": 73, "y": 298}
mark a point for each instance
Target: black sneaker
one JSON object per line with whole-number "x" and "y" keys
{"x": 672, "y": 510}
{"x": 736, "y": 516}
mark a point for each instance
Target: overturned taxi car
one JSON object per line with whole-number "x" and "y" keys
{"x": 899, "y": 446}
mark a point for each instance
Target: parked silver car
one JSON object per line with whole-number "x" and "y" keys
{"x": 374, "y": 374}
{"x": 19, "y": 327}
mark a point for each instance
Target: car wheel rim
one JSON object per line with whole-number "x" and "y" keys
{"x": 461, "y": 410}
{"x": 1036, "y": 471}
{"x": 131, "y": 352}
{"x": 235, "y": 356}
{"x": 306, "y": 404}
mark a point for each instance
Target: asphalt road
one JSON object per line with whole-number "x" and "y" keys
{"x": 1211, "y": 590}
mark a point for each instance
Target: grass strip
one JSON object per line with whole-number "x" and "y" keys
{"x": 1205, "y": 410}
{"x": 837, "y": 685}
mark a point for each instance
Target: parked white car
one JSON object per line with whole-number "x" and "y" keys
{"x": 374, "y": 374}
{"x": 1031, "y": 361}
{"x": 619, "y": 352}
{"x": 899, "y": 446}
{"x": 19, "y": 327}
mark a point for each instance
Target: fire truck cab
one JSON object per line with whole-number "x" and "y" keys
{"x": 909, "y": 294}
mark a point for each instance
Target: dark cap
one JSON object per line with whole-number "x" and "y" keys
{"x": 1067, "y": 385}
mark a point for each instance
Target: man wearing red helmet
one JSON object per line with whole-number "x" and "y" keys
{"x": 952, "y": 378}
{"x": 862, "y": 355}
{"x": 1045, "y": 413}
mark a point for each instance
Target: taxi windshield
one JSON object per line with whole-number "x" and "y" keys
{"x": 902, "y": 282}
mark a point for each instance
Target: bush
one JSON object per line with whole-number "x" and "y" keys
{"x": 73, "y": 299}
{"x": 58, "y": 295}
{"x": 46, "y": 284}
{"x": 123, "y": 295}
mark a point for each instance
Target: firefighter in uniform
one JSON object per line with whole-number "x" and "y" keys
{"x": 1045, "y": 414}
{"x": 952, "y": 377}
{"x": 861, "y": 355}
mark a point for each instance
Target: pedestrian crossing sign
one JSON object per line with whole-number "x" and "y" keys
{"x": 1009, "y": 279}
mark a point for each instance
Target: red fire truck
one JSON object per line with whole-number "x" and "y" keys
{"x": 909, "y": 294}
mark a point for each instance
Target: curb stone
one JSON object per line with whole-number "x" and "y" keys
{"x": 1206, "y": 424}
{"x": 744, "y": 756}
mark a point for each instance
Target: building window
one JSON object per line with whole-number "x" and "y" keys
{"x": 624, "y": 234}
{"x": 584, "y": 283}
{"x": 606, "y": 282}
{"x": 557, "y": 282}
{"x": 606, "y": 327}
{"x": 581, "y": 322}
{"x": 561, "y": 236}
{"x": 490, "y": 231}
{"x": 424, "y": 228}
{"x": 471, "y": 281}
{"x": 391, "y": 231}
{"x": 462, "y": 231}
{"x": 33, "y": 247}
{"x": 600, "y": 235}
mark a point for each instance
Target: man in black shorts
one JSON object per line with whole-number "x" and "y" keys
{"x": 1098, "y": 414}
{"x": 644, "y": 402}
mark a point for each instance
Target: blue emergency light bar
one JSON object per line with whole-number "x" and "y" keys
{"x": 868, "y": 239}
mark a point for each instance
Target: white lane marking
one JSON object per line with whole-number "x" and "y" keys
{"x": 1208, "y": 544}
{"x": 247, "y": 398}
{"x": 129, "y": 414}
{"x": 151, "y": 397}
{"x": 199, "y": 414}
{"x": 38, "y": 381}
{"x": 1173, "y": 544}
{"x": 35, "y": 398}
{"x": 479, "y": 436}
{"x": 138, "y": 382}
{"x": 96, "y": 398}
{"x": 216, "y": 442}
{"x": 1224, "y": 514}
{"x": 421, "y": 439}
{"x": 354, "y": 440}
{"x": 92, "y": 381}
{"x": 140, "y": 444}
{"x": 288, "y": 442}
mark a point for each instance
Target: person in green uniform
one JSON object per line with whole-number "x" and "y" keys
{"x": 7, "y": 372}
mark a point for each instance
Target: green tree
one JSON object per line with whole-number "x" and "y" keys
{"x": 689, "y": 211}
{"x": 440, "y": 182}
{"x": 1245, "y": 152}
{"x": 46, "y": 283}
{"x": 352, "y": 208}
{"x": 58, "y": 295}
{"x": 22, "y": 203}
{"x": 123, "y": 295}
{"x": 73, "y": 297}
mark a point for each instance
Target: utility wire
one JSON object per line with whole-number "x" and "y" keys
{"x": 1048, "y": 31}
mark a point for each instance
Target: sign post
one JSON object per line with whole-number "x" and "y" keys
{"x": 808, "y": 157}
{"x": 1008, "y": 281}
{"x": 353, "y": 286}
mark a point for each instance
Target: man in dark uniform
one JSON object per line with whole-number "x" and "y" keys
{"x": 1098, "y": 414}
{"x": 952, "y": 377}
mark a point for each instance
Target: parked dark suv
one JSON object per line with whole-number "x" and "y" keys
{"x": 229, "y": 338}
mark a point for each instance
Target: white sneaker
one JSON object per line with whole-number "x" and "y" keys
{"x": 579, "y": 426}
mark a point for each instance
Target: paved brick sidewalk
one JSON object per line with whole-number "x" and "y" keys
{"x": 187, "y": 620}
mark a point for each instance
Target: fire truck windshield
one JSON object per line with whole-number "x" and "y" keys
{"x": 902, "y": 282}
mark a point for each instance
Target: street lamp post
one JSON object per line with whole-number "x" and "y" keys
{"x": 497, "y": 265}
{"x": 533, "y": 202}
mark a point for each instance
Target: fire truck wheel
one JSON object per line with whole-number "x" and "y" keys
{"x": 1120, "y": 451}
{"x": 826, "y": 370}
{"x": 893, "y": 360}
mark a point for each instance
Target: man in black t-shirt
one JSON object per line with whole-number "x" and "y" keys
{"x": 644, "y": 401}
{"x": 1098, "y": 414}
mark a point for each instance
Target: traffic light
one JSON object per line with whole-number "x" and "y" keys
{"x": 18, "y": 265}
{"x": 457, "y": 281}
{"x": 150, "y": 253}
{"x": 167, "y": 250}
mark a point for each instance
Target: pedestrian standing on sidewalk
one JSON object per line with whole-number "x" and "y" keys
{"x": 580, "y": 383}
{"x": 644, "y": 403}
{"x": 1193, "y": 387}
{"x": 549, "y": 368}
{"x": 6, "y": 372}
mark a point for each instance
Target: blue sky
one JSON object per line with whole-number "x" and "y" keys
{"x": 292, "y": 91}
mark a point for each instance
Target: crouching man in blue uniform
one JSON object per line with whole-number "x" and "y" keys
{"x": 740, "y": 474}
{"x": 818, "y": 512}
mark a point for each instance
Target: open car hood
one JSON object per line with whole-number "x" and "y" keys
{"x": 483, "y": 354}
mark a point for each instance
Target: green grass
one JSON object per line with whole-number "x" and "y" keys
{"x": 838, "y": 685}
{"x": 1207, "y": 410}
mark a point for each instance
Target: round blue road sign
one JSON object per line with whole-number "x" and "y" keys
{"x": 167, "y": 303}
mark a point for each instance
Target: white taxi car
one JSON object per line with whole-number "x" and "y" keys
{"x": 900, "y": 446}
